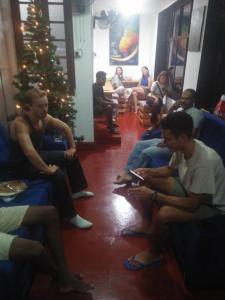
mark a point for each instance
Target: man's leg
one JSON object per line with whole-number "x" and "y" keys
{"x": 137, "y": 150}
{"x": 148, "y": 155}
{"x": 62, "y": 199}
{"x": 145, "y": 226}
{"x": 165, "y": 216}
{"x": 109, "y": 116}
{"x": 33, "y": 251}
{"x": 132, "y": 159}
{"x": 73, "y": 169}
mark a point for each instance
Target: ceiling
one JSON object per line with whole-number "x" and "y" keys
{"x": 147, "y": 6}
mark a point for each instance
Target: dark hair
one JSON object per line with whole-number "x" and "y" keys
{"x": 119, "y": 68}
{"x": 179, "y": 123}
{"x": 154, "y": 118}
{"x": 100, "y": 74}
{"x": 146, "y": 68}
{"x": 192, "y": 92}
{"x": 30, "y": 95}
{"x": 163, "y": 73}
{"x": 171, "y": 68}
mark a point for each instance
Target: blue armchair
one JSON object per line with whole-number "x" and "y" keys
{"x": 16, "y": 278}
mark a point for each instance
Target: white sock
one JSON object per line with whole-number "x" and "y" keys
{"x": 82, "y": 194}
{"x": 80, "y": 222}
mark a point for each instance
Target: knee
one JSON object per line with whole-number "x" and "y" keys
{"x": 58, "y": 176}
{"x": 36, "y": 250}
{"x": 138, "y": 146}
{"x": 51, "y": 214}
{"x": 165, "y": 215}
{"x": 146, "y": 153}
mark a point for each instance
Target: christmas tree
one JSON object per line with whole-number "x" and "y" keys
{"x": 39, "y": 66}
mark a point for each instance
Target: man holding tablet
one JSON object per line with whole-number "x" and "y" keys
{"x": 198, "y": 192}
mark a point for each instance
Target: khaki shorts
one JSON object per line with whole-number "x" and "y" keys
{"x": 11, "y": 218}
{"x": 203, "y": 211}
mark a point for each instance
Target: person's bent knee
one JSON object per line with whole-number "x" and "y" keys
{"x": 35, "y": 251}
{"x": 58, "y": 176}
{"x": 51, "y": 214}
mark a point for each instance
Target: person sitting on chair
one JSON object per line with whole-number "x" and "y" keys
{"x": 198, "y": 192}
{"x": 15, "y": 248}
{"x": 161, "y": 87}
{"x": 146, "y": 151}
{"x": 142, "y": 89}
{"x": 117, "y": 81}
{"x": 102, "y": 104}
{"x": 28, "y": 160}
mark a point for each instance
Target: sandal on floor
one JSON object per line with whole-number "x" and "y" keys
{"x": 137, "y": 266}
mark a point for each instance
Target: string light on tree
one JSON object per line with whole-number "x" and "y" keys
{"x": 43, "y": 68}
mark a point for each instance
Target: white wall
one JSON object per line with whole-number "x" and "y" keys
{"x": 88, "y": 64}
{"x": 147, "y": 38}
{"x": 194, "y": 58}
{"x": 84, "y": 71}
{"x": 147, "y": 43}
{"x": 82, "y": 28}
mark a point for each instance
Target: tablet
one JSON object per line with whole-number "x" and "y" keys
{"x": 136, "y": 175}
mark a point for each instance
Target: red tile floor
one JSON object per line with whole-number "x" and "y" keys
{"x": 99, "y": 253}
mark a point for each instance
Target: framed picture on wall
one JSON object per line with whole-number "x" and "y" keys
{"x": 196, "y": 29}
{"x": 124, "y": 41}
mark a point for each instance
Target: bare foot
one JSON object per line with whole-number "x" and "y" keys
{"x": 75, "y": 285}
{"x": 143, "y": 259}
{"x": 123, "y": 178}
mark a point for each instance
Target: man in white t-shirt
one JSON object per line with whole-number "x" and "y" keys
{"x": 146, "y": 151}
{"x": 197, "y": 193}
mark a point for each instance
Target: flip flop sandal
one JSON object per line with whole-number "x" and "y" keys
{"x": 156, "y": 262}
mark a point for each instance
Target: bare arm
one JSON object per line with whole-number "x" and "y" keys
{"x": 22, "y": 135}
{"x": 63, "y": 127}
{"x": 189, "y": 203}
{"x": 149, "y": 83}
{"x": 148, "y": 173}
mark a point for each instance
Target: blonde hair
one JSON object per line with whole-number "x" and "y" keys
{"x": 31, "y": 95}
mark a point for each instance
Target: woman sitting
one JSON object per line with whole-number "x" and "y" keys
{"x": 160, "y": 88}
{"x": 142, "y": 89}
{"x": 117, "y": 81}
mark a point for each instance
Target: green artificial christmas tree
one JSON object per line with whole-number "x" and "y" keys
{"x": 39, "y": 66}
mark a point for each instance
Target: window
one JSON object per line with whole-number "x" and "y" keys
{"x": 178, "y": 42}
{"x": 59, "y": 15}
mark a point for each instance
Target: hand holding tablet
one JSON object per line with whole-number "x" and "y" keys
{"x": 137, "y": 176}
